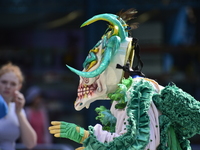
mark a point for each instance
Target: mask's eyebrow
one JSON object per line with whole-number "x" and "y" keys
{"x": 91, "y": 59}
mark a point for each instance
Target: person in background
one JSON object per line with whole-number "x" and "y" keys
{"x": 37, "y": 114}
{"x": 3, "y": 107}
{"x": 15, "y": 123}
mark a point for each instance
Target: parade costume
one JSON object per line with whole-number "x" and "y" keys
{"x": 144, "y": 115}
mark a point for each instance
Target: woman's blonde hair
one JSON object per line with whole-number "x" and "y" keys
{"x": 9, "y": 67}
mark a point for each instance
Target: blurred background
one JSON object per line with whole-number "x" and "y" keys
{"x": 42, "y": 36}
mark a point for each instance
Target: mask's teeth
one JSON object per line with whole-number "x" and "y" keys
{"x": 83, "y": 90}
{"x": 87, "y": 89}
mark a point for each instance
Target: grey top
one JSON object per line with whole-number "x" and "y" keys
{"x": 9, "y": 129}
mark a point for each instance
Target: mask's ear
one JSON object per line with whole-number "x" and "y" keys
{"x": 128, "y": 69}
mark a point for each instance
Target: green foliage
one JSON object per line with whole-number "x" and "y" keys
{"x": 106, "y": 118}
{"x": 120, "y": 94}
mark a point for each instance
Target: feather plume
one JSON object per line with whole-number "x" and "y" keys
{"x": 127, "y": 16}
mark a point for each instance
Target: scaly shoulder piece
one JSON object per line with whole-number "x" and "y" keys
{"x": 181, "y": 111}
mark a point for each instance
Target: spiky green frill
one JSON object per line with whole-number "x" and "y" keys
{"x": 137, "y": 136}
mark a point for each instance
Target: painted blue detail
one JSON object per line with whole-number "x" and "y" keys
{"x": 3, "y": 107}
{"x": 135, "y": 76}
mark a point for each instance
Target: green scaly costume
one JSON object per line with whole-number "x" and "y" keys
{"x": 179, "y": 121}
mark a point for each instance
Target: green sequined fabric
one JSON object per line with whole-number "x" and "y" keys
{"x": 181, "y": 112}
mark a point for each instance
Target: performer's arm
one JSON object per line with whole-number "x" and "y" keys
{"x": 68, "y": 130}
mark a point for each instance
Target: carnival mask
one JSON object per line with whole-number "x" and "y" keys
{"x": 99, "y": 75}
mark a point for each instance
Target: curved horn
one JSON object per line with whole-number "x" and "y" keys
{"x": 99, "y": 70}
{"x": 118, "y": 28}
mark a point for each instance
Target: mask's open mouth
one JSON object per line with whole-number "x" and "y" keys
{"x": 84, "y": 91}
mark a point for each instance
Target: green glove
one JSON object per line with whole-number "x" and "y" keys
{"x": 68, "y": 130}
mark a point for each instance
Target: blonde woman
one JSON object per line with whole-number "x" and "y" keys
{"x": 15, "y": 123}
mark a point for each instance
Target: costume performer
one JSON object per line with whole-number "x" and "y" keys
{"x": 144, "y": 115}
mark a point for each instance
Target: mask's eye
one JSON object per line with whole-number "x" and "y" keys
{"x": 91, "y": 59}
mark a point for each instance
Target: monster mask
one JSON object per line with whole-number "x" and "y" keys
{"x": 100, "y": 76}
